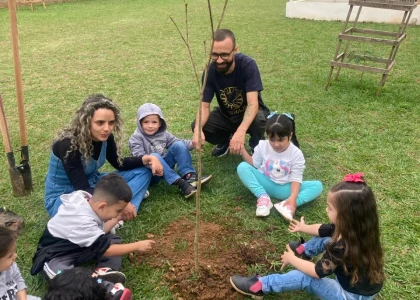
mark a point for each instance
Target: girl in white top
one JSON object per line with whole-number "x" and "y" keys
{"x": 276, "y": 170}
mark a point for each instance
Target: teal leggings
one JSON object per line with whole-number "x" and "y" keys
{"x": 260, "y": 184}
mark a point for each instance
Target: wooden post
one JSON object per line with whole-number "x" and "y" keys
{"x": 18, "y": 72}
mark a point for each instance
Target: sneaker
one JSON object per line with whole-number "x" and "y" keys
{"x": 109, "y": 274}
{"x": 119, "y": 225}
{"x": 187, "y": 189}
{"x": 243, "y": 285}
{"x": 220, "y": 150}
{"x": 119, "y": 292}
{"x": 146, "y": 195}
{"x": 264, "y": 205}
{"x": 298, "y": 248}
{"x": 193, "y": 179}
{"x": 284, "y": 210}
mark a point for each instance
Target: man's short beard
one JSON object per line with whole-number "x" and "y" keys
{"x": 226, "y": 68}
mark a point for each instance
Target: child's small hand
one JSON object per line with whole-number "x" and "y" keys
{"x": 144, "y": 246}
{"x": 296, "y": 226}
{"x": 291, "y": 202}
{"x": 156, "y": 166}
{"x": 286, "y": 257}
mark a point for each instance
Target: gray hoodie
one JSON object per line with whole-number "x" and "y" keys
{"x": 141, "y": 143}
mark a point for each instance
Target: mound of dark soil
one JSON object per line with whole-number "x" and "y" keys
{"x": 223, "y": 251}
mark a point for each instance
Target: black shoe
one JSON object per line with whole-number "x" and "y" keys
{"x": 109, "y": 274}
{"x": 187, "y": 189}
{"x": 295, "y": 244}
{"x": 243, "y": 284}
{"x": 220, "y": 150}
{"x": 193, "y": 179}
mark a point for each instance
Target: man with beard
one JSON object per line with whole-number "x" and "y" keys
{"x": 236, "y": 81}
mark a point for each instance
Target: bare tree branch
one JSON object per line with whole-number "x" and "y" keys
{"x": 189, "y": 52}
{"x": 201, "y": 89}
{"x": 223, "y": 14}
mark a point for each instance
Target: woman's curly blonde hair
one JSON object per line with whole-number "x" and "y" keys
{"x": 78, "y": 130}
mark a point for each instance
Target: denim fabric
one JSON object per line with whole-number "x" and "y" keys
{"x": 323, "y": 288}
{"x": 57, "y": 182}
{"x": 260, "y": 184}
{"x": 179, "y": 155}
{"x": 316, "y": 245}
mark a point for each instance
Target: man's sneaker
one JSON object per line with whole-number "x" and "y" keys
{"x": 298, "y": 248}
{"x": 284, "y": 210}
{"x": 249, "y": 286}
{"x": 220, "y": 150}
{"x": 187, "y": 189}
{"x": 120, "y": 224}
{"x": 193, "y": 179}
{"x": 119, "y": 292}
{"x": 109, "y": 274}
{"x": 264, "y": 205}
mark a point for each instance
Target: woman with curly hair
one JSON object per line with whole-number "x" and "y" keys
{"x": 93, "y": 136}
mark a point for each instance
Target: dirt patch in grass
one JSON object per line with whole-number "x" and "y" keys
{"x": 224, "y": 250}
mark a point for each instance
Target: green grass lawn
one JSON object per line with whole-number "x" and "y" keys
{"x": 130, "y": 51}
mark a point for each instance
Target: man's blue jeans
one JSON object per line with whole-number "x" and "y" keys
{"x": 179, "y": 155}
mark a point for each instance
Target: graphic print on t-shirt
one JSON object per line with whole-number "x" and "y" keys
{"x": 159, "y": 148}
{"x": 11, "y": 292}
{"x": 233, "y": 101}
{"x": 276, "y": 169}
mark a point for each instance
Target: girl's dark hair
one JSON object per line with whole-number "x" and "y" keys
{"x": 76, "y": 284}
{"x": 8, "y": 239}
{"x": 357, "y": 226}
{"x": 279, "y": 126}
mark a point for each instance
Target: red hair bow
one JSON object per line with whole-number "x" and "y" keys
{"x": 358, "y": 177}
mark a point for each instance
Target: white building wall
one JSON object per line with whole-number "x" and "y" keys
{"x": 332, "y": 10}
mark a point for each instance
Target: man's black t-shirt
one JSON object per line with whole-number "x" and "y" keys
{"x": 231, "y": 89}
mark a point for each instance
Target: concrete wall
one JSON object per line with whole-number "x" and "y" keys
{"x": 332, "y": 10}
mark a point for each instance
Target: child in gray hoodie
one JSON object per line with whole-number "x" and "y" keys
{"x": 151, "y": 137}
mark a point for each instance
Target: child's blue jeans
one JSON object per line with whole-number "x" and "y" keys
{"x": 323, "y": 288}
{"x": 316, "y": 245}
{"x": 179, "y": 155}
{"x": 260, "y": 184}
